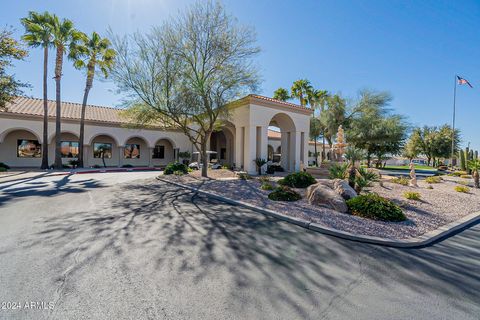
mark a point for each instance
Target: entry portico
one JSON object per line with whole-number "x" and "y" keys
{"x": 243, "y": 138}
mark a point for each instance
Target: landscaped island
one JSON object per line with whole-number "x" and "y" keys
{"x": 434, "y": 203}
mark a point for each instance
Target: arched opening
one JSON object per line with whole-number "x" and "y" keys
{"x": 283, "y": 132}
{"x": 21, "y": 148}
{"x": 135, "y": 152}
{"x": 163, "y": 152}
{"x": 68, "y": 149}
{"x": 103, "y": 147}
{"x": 223, "y": 143}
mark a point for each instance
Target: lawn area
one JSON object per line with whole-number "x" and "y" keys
{"x": 417, "y": 167}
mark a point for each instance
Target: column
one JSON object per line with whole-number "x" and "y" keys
{"x": 285, "y": 155}
{"x": 296, "y": 142}
{"x": 150, "y": 155}
{"x": 250, "y": 149}
{"x": 239, "y": 146}
{"x": 263, "y": 141}
{"x": 86, "y": 154}
{"x": 120, "y": 155}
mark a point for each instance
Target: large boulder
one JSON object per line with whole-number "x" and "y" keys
{"x": 320, "y": 194}
{"x": 343, "y": 188}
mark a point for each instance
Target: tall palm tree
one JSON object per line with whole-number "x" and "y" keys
{"x": 300, "y": 89}
{"x": 64, "y": 36}
{"x": 38, "y": 33}
{"x": 89, "y": 54}
{"x": 281, "y": 94}
{"x": 316, "y": 99}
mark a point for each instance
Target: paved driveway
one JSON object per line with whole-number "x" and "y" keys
{"x": 108, "y": 246}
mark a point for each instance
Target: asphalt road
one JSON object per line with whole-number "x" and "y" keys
{"x": 104, "y": 246}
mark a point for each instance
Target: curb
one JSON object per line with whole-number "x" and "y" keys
{"x": 420, "y": 241}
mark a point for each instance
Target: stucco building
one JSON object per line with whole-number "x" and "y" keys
{"x": 258, "y": 127}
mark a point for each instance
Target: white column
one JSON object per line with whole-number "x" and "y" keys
{"x": 120, "y": 155}
{"x": 250, "y": 149}
{"x": 239, "y": 146}
{"x": 296, "y": 141}
{"x": 264, "y": 146}
{"x": 150, "y": 155}
{"x": 285, "y": 150}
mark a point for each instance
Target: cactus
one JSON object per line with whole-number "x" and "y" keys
{"x": 462, "y": 160}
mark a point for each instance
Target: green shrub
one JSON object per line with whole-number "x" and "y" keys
{"x": 465, "y": 183}
{"x": 466, "y": 176}
{"x": 297, "y": 180}
{"x": 373, "y": 206}
{"x": 4, "y": 165}
{"x": 244, "y": 176}
{"x": 401, "y": 180}
{"x": 264, "y": 179}
{"x": 74, "y": 163}
{"x": 463, "y": 189}
{"x": 338, "y": 171}
{"x": 412, "y": 195}
{"x": 266, "y": 186}
{"x": 178, "y": 173}
{"x": 175, "y": 166}
{"x": 2, "y": 169}
{"x": 127, "y": 166}
{"x": 433, "y": 179}
{"x": 284, "y": 193}
{"x": 459, "y": 173}
{"x": 364, "y": 179}
{"x": 271, "y": 169}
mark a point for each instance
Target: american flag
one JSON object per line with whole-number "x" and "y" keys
{"x": 463, "y": 81}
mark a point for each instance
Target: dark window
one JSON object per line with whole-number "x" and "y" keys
{"x": 159, "y": 152}
{"x": 69, "y": 149}
{"x": 28, "y": 149}
{"x": 100, "y": 148}
{"x": 223, "y": 152}
{"x": 131, "y": 151}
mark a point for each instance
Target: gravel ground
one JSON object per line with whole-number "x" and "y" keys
{"x": 437, "y": 206}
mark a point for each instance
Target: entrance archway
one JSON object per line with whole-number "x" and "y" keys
{"x": 284, "y": 124}
{"x": 223, "y": 143}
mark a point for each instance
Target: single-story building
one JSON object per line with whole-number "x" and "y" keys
{"x": 259, "y": 127}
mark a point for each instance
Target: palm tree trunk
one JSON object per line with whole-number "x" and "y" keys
{"x": 323, "y": 146}
{"x": 45, "y": 111}
{"x": 58, "y": 77}
{"x": 315, "y": 148}
{"x": 81, "y": 140}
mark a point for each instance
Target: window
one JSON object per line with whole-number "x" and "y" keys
{"x": 28, "y": 149}
{"x": 104, "y": 149}
{"x": 159, "y": 152}
{"x": 223, "y": 152}
{"x": 69, "y": 149}
{"x": 131, "y": 151}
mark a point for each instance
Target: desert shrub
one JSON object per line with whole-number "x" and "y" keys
{"x": 459, "y": 173}
{"x": 73, "y": 163}
{"x": 264, "y": 179}
{"x": 178, "y": 173}
{"x": 266, "y": 186}
{"x": 433, "y": 179}
{"x": 463, "y": 189}
{"x": 4, "y": 165}
{"x": 298, "y": 180}
{"x": 244, "y": 176}
{"x": 401, "y": 180}
{"x": 271, "y": 169}
{"x": 412, "y": 195}
{"x": 175, "y": 166}
{"x": 2, "y": 169}
{"x": 127, "y": 166}
{"x": 466, "y": 176}
{"x": 373, "y": 206}
{"x": 465, "y": 183}
{"x": 338, "y": 171}
{"x": 284, "y": 193}
{"x": 364, "y": 179}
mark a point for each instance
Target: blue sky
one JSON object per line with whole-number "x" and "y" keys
{"x": 412, "y": 49}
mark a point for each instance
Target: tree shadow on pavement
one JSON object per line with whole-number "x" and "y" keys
{"x": 198, "y": 239}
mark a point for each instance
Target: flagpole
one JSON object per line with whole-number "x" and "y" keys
{"x": 453, "y": 120}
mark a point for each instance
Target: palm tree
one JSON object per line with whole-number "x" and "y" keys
{"x": 281, "y": 94}
{"x": 317, "y": 98}
{"x": 353, "y": 155}
{"x": 38, "y": 33}
{"x": 474, "y": 165}
{"x": 89, "y": 54}
{"x": 301, "y": 89}
{"x": 64, "y": 36}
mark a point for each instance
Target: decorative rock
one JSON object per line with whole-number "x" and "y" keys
{"x": 343, "y": 188}
{"x": 322, "y": 195}
{"x": 413, "y": 176}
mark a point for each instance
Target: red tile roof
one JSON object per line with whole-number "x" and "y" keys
{"x": 278, "y": 101}
{"x": 70, "y": 110}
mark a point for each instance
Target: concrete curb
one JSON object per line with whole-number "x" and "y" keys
{"x": 420, "y": 241}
